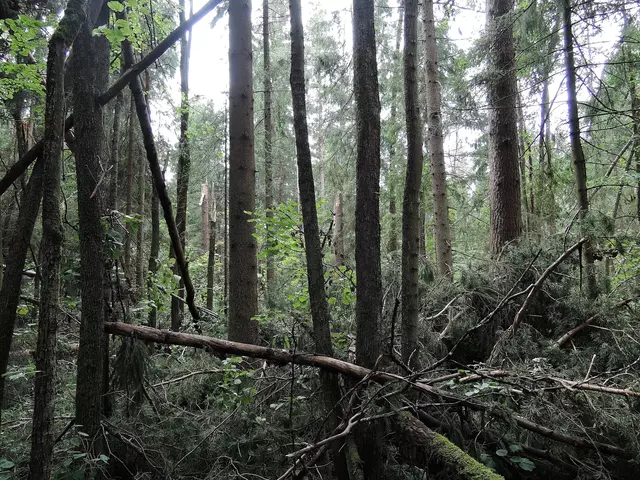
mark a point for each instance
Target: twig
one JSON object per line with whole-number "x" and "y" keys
{"x": 574, "y": 331}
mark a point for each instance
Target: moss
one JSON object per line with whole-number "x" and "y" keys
{"x": 430, "y": 449}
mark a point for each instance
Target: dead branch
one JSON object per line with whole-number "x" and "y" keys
{"x": 511, "y": 331}
{"x": 561, "y": 342}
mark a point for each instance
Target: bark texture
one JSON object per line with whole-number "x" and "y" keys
{"x": 506, "y": 221}
{"x": 184, "y": 161}
{"x": 211, "y": 262}
{"x": 16, "y": 258}
{"x": 338, "y": 232}
{"x": 411, "y": 221}
{"x": 268, "y": 145}
{"x": 52, "y": 238}
{"x": 243, "y": 262}
{"x": 368, "y": 273}
{"x": 577, "y": 154}
{"x": 435, "y": 142}
{"x": 90, "y": 70}
{"x": 313, "y": 248}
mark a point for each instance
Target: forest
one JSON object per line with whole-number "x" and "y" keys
{"x": 320, "y": 239}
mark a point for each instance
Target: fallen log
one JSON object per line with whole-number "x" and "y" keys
{"x": 283, "y": 357}
{"x": 424, "y": 448}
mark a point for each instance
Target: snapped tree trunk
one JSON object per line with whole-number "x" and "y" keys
{"x": 579, "y": 164}
{"x": 313, "y": 248}
{"x": 90, "y": 71}
{"x": 243, "y": 262}
{"x": 504, "y": 191}
{"x": 411, "y": 221}
{"x": 435, "y": 142}
{"x": 268, "y": 147}
{"x": 52, "y": 238}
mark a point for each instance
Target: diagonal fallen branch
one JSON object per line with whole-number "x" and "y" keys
{"x": 28, "y": 158}
{"x": 330, "y": 364}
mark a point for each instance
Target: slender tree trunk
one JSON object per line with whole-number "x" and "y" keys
{"x": 579, "y": 164}
{"x": 154, "y": 252}
{"x": 184, "y": 161}
{"x": 411, "y": 221}
{"x": 528, "y": 215}
{"x": 204, "y": 217}
{"x": 115, "y": 152}
{"x": 142, "y": 185}
{"x": 338, "y": 232}
{"x": 131, "y": 147}
{"x": 52, "y": 238}
{"x": 368, "y": 269}
{"x": 90, "y": 71}
{"x": 435, "y": 140}
{"x": 635, "y": 113}
{"x": 16, "y": 258}
{"x": 211, "y": 263}
{"x": 226, "y": 215}
{"x": 243, "y": 263}
{"x": 506, "y": 220}
{"x": 546, "y": 189}
{"x": 313, "y": 248}
{"x": 268, "y": 146}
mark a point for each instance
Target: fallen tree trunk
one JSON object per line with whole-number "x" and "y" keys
{"x": 282, "y": 357}
{"x": 424, "y": 448}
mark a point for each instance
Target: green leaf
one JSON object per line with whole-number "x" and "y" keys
{"x": 524, "y": 463}
{"x": 515, "y": 448}
{"x": 6, "y": 464}
{"x": 104, "y": 458}
{"x": 502, "y": 452}
{"x": 115, "y": 6}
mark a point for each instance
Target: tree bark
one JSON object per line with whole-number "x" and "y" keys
{"x": 368, "y": 269}
{"x": 142, "y": 186}
{"x": 131, "y": 147}
{"x": 411, "y": 221}
{"x": 17, "y": 255}
{"x": 204, "y": 217}
{"x": 154, "y": 252}
{"x": 184, "y": 161}
{"x": 52, "y": 238}
{"x": 313, "y": 249}
{"x": 211, "y": 263}
{"x": 338, "y": 232}
{"x": 90, "y": 71}
{"x": 435, "y": 141}
{"x": 506, "y": 221}
{"x": 579, "y": 164}
{"x": 243, "y": 262}
{"x": 114, "y": 158}
{"x": 268, "y": 148}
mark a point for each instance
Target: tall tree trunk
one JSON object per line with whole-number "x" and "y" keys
{"x": 528, "y": 214}
{"x": 211, "y": 262}
{"x": 268, "y": 147}
{"x": 506, "y": 220}
{"x": 368, "y": 270}
{"x": 226, "y": 215}
{"x": 579, "y": 164}
{"x": 154, "y": 252}
{"x": 546, "y": 189}
{"x": 435, "y": 139}
{"x": 142, "y": 185}
{"x": 90, "y": 71}
{"x": 313, "y": 249}
{"x": 338, "y": 232}
{"x": 204, "y": 217}
{"x": 16, "y": 258}
{"x": 131, "y": 148}
{"x": 184, "y": 161}
{"x": 52, "y": 238}
{"x": 114, "y": 163}
{"x": 411, "y": 221}
{"x": 243, "y": 262}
